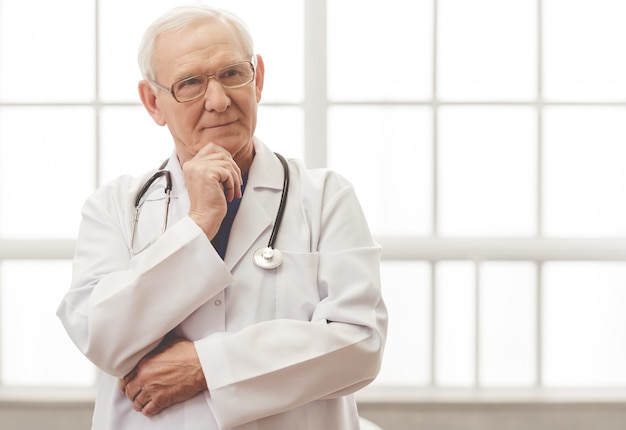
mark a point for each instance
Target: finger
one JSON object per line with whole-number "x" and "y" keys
{"x": 237, "y": 179}
{"x": 238, "y": 185}
{"x": 122, "y": 386}
{"x": 131, "y": 392}
{"x": 150, "y": 409}
{"x": 126, "y": 379}
{"x": 223, "y": 154}
{"x": 229, "y": 180}
{"x": 140, "y": 403}
{"x": 230, "y": 188}
{"x": 226, "y": 173}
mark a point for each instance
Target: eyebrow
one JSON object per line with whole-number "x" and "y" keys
{"x": 186, "y": 74}
{"x": 182, "y": 77}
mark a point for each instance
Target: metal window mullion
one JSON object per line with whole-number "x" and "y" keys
{"x": 402, "y": 249}
{"x": 96, "y": 105}
{"x": 434, "y": 334}
{"x": 1, "y": 331}
{"x": 97, "y": 108}
{"x": 315, "y": 84}
{"x": 435, "y": 122}
{"x": 539, "y": 105}
{"x": 540, "y": 177}
{"x": 433, "y": 325}
{"x": 1, "y": 261}
{"x": 539, "y": 328}
{"x": 477, "y": 322}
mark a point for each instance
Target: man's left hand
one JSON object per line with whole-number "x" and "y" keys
{"x": 169, "y": 374}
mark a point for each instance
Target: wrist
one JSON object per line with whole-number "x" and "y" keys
{"x": 210, "y": 225}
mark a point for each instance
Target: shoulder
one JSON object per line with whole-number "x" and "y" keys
{"x": 118, "y": 194}
{"x": 125, "y": 184}
{"x": 330, "y": 207}
{"x": 317, "y": 178}
{"x": 322, "y": 190}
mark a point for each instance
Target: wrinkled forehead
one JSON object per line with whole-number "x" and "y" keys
{"x": 210, "y": 44}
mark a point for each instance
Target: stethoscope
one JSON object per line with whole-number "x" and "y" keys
{"x": 266, "y": 258}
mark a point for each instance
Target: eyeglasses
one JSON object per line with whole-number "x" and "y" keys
{"x": 231, "y": 76}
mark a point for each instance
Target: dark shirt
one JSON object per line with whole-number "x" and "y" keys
{"x": 220, "y": 241}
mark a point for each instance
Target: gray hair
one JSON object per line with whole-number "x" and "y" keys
{"x": 182, "y": 16}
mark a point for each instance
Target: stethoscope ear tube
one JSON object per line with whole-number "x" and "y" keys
{"x": 143, "y": 191}
{"x": 150, "y": 181}
{"x": 266, "y": 258}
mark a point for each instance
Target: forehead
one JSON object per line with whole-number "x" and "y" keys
{"x": 196, "y": 47}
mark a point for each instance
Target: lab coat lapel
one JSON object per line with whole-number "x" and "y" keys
{"x": 259, "y": 205}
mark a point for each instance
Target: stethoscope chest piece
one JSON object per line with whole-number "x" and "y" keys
{"x": 268, "y": 258}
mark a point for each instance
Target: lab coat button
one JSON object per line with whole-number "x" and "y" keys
{"x": 218, "y": 302}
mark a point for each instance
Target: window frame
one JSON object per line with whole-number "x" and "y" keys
{"x": 538, "y": 249}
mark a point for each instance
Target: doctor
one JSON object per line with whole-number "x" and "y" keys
{"x": 188, "y": 332}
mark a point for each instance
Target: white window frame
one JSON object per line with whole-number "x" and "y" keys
{"x": 538, "y": 249}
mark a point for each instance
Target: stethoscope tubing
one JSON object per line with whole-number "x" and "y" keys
{"x": 266, "y": 258}
{"x": 283, "y": 201}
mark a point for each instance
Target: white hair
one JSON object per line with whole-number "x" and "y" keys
{"x": 181, "y": 17}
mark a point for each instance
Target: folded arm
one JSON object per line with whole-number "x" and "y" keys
{"x": 114, "y": 310}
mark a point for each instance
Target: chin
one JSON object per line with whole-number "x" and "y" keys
{"x": 233, "y": 143}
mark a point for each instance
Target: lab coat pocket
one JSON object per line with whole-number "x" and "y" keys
{"x": 297, "y": 292}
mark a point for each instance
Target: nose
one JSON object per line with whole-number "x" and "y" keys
{"x": 215, "y": 98}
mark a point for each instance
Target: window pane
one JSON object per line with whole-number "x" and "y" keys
{"x": 584, "y": 172}
{"x": 487, "y": 171}
{"x": 131, "y": 142}
{"x": 50, "y": 46}
{"x": 390, "y": 163}
{"x": 455, "y": 314}
{"x": 277, "y": 27}
{"x": 487, "y": 49}
{"x": 282, "y": 129}
{"x": 46, "y": 170}
{"x": 508, "y": 323}
{"x": 584, "y": 324}
{"x": 122, "y": 24}
{"x": 406, "y": 290}
{"x": 379, "y": 53}
{"x": 36, "y": 350}
{"x": 584, "y": 55}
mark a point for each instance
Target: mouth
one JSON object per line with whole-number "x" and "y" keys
{"x": 221, "y": 125}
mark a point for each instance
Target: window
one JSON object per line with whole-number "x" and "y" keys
{"x": 485, "y": 140}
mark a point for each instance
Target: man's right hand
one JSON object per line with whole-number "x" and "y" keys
{"x": 213, "y": 179}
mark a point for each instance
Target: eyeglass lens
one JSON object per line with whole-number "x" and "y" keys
{"x": 235, "y": 75}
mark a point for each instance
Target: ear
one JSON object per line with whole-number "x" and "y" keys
{"x": 148, "y": 98}
{"x": 260, "y": 76}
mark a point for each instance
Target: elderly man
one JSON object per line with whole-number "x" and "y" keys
{"x": 191, "y": 320}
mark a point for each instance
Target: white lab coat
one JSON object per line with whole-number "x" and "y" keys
{"x": 281, "y": 349}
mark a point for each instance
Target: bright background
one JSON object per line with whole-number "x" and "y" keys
{"x": 485, "y": 138}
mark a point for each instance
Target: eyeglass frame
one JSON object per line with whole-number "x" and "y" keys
{"x": 213, "y": 75}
